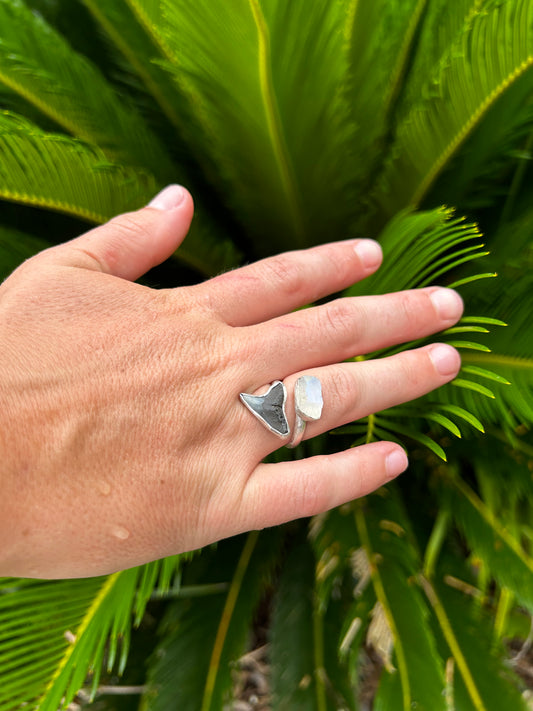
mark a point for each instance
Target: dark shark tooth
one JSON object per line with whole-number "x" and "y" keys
{"x": 270, "y": 408}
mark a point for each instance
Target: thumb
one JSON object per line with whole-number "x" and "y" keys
{"x": 129, "y": 245}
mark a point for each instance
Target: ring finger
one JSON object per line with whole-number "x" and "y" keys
{"x": 354, "y": 390}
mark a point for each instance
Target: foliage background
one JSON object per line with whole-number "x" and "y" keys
{"x": 292, "y": 124}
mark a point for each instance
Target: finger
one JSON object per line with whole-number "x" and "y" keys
{"x": 280, "y": 284}
{"x": 129, "y": 245}
{"x": 354, "y": 390}
{"x": 349, "y": 327}
{"x": 276, "y": 493}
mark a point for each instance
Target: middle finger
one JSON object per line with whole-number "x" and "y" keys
{"x": 348, "y": 327}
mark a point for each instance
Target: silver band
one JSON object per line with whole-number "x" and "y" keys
{"x": 299, "y": 429}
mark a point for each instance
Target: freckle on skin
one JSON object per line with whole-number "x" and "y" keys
{"x": 120, "y": 532}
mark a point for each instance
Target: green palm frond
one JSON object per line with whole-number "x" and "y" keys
{"x": 252, "y": 79}
{"x": 79, "y": 626}
{"x": 37, "y": 63}
{"x": 390, "y": 547}
{"x": 60, "y": 173}
{"x": 135, "y": 43}
{"x": 296, "y": 123}
{"x": 492, "y": 539}
{"x": 477, "y": 679}
{"x": 67, "y": 175}
{"x": 306, "y": 672}
{"x": 202, "y": 636}
{"x": 419, "y": 248}
{"x": 505, "y": 366}
{"x": 488, "y": 168}
{"x": 492, "y": 49}
{"x": 378, "y": 61}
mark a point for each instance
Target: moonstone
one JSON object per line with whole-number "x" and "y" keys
{"x": 308, "y": 397}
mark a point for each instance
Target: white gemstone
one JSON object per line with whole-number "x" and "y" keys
{"x": 308, "y": 397}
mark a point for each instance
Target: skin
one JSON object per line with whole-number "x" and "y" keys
{"x": 122, "y": 435}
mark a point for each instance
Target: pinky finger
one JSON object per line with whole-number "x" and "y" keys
{"x": 277, "y": 493}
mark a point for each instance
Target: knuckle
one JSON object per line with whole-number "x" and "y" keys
{"x": 311, "y": 497}
{"x": 338, "y": 321}
{"x": 286, "y": 273}
{"x": 343, "y": 390}
{"x": 410, "y": 307}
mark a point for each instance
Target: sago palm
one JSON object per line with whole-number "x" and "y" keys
{"x": 294, "y": 122}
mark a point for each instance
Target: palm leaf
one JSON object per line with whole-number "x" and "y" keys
{"x": 305, "y": 673}
{"x": 493, "y": 541}
{"x": 201, "y": 637}
{"x": 507, "y": 358}
{"x": 72, "y": 620}
{"x": 419, "y": 248}
{"x": 134, "y": 41}
{"x": 252, "y": 73}
{"x": 391, "y": 549}
{"x": 380, "y": 35}
{"x": 60, "y": 173}
{"x": 37, "y": 63}
{"x": 492, "y": 49}
{"x": 477, "y": 679}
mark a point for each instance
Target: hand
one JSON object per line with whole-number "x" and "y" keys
{"x": 122, "y": 435}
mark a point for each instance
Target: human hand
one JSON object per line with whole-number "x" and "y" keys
{"x": 122, "y": 435}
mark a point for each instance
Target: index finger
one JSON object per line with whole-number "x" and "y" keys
{"x": 277, "y": 285}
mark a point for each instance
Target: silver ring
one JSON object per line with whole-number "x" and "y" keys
{"x": 270, "y": 407}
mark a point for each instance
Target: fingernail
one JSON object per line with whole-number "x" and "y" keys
{"x": 448, "y": 304}
{"x": 169, "y": 198}
{"x": 445, "y": 359}
{"x": 369, "y": 252}
{"x": 396, "y": 463}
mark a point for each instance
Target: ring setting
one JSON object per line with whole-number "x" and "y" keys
{"x": 269, "y": 408}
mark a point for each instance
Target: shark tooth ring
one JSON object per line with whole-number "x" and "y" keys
{"x": 270, "y": 407}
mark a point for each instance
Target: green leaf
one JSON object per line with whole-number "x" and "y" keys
{"x": 418, "y": 248}
{"x": 38, "y": 63}
{"x": 483, "y": 319}
{"x": 72, "y": 620}
{"x": 471, "y": 279}
{"x": 201, "y": 637}
{"x": 478, "y": 680}
{"x": 380, "y": 35}
{"x": 471, "y": 385}
{"x": 395, "y": 428}
{"x": 463, "y": 414}
{"x": 253, "y": 73}
{"x": 484, "y": 53}
{"x": 484, "y": 373}
{"x": 470, "y": 345}
{"x": 492, "y": 541}
{"x": 59, "y": 173}
{"x": 135, "y": 41}
{"x": 395, "y": 561}
{"x": 306, "y": 673}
